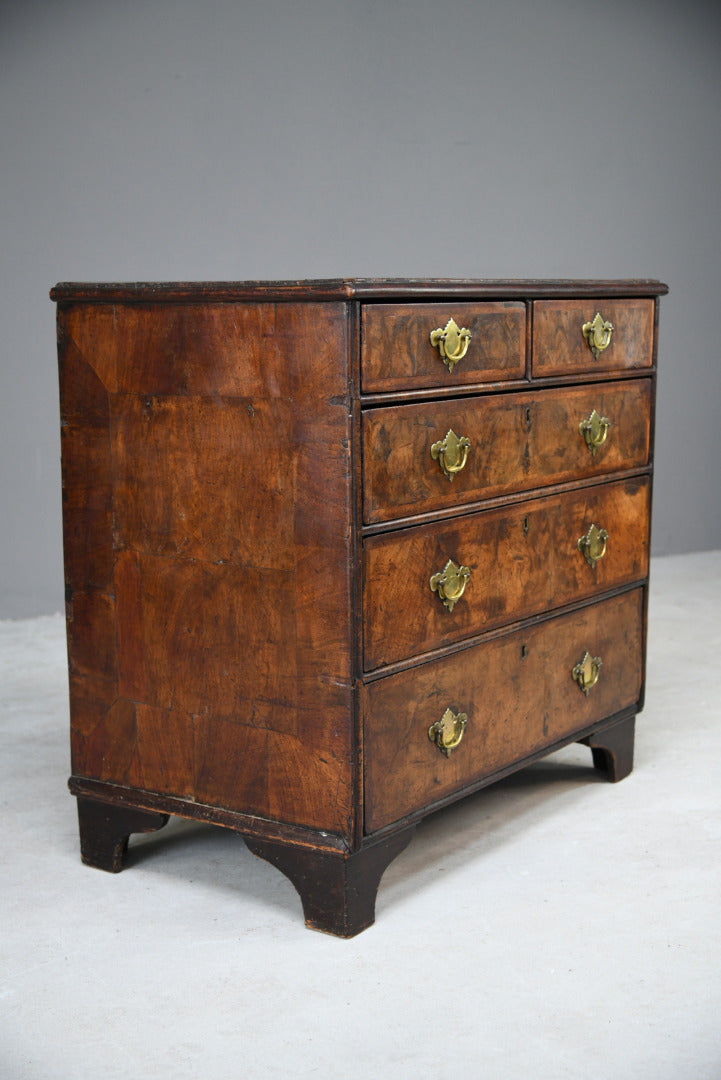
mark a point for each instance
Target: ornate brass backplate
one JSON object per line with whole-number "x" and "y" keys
{"x": 598, "y": 334}
{"x": 451, "y": 453}
{"x": 447, "y": 732}
{"x": 586, "y": 672}
{"x": 593, "y": 545}
{"x": 594, "y": 430}
{"x": 452, "y": 342}
{"x": 450, "y": 583}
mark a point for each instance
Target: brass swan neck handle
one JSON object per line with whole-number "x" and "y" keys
{"x": 452, "y": 342}
{"x": 450, "y": 583}
{"x": 597, "y": 334}
{"x": 451, "y": 453}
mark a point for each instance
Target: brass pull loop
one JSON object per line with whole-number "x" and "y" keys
{"x": 594, "y": 431}
{"x": 450, "y": 583}
{"x": 598, "y": 334}
{"x": 593, "y": 545}
{"x": 586, "y": 672}
{"x": 451, "y": 453}
{"x": 452, "y": 342}
{"x": 447, "y": 732}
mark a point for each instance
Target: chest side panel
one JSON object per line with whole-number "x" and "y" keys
{"x": 206, "y": 465}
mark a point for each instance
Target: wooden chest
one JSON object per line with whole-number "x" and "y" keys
{"x": 340, "y": 552}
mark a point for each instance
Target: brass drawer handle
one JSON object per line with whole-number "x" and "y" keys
{"x": 598, "y": 334}
{"x": 450, "y": 583}
{"x": 594, "y": 430}
{"x": 586, "y": 672}
{"x": 447, "y": 732}
{"x": 593, "y": 545}
{"x": 452, "y": 342}
{"x": 451, "y": 453}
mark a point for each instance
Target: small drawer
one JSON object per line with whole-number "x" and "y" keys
{"x": 499, "y": 444}
{"x": 578, "y": 336}
{"x": 506, "y": 564}
{"x": 517, "y": 694}
{"x": 398, "y": 350}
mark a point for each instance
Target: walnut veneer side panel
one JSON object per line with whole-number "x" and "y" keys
{"x": 207, "y": 488}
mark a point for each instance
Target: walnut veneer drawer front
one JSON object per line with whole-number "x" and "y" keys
{"x": 518, "y": 694}
{"x": 488, "y": 344}
{"x": 575, "y": 336}
{"x": 503, "y": 443}
{"x": 520, "y": 561}
{"x": 338, "y": 552}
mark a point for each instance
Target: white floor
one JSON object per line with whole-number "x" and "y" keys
{"x": 552, "y": 926}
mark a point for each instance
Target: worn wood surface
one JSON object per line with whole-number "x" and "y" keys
{"x": 559, "y": 346}
{"x": 396, "y": 351}
{"x": 518, "y": 694}
{"x": 209, "y": 605}
{"x": 524, "y": 560}
{"x": 519, "y": 441}
{"x": 385, "y": 289}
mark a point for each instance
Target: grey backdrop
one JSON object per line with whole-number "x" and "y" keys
{"x": 171, "y": 139}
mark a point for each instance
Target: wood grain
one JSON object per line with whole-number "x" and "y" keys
{"x": 210, "y": 614}
{"x": 523, "y": 560}
{"x": 396, "y": 351}
{"x": 518, "y": 694}
{"x": 519, "y": 441}
{"x": 560, "y": 348}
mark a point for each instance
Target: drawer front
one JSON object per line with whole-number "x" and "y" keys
{"x": 515, "y": 442}
{"x": 560, "y": 346}
{"x": 397, "y": 352}
{"x": 518, "y": 694}
{"x": 523, "y": 560}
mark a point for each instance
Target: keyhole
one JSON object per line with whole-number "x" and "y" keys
{"x": 525, "y": 525}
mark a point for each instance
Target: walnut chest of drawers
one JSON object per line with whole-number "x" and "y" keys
{"x": 340, "y": 552}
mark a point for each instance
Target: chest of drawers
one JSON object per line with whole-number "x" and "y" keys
{"x": 340, "y": 552}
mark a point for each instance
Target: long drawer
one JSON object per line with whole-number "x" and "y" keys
{"x": 521, "y": 560}
{"x": 518, "y": 694}
{"x": 503, "y": 443}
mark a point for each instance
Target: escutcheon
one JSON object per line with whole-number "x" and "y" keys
{"x": 594, "y": 430}
{"x": 450, "y": 583}
{"x": 447, "y": 732}
{"x": 593, "y": 545}
{"x": 451, "y": 453}
{"x": 586, "y": 672}
{"x": 598, "y": 334}
{"x": 452, "y": 342}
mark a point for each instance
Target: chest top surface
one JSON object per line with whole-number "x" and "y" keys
{"x": 359, "y": 288}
